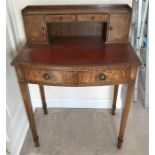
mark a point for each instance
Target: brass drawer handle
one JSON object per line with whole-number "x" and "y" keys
{"x": 46, "y": 76}
{"x": 102, "y": 76}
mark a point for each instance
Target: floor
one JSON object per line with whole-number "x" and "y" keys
{"x": 88, "y": 132}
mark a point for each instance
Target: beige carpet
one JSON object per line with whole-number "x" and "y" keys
{"x": 88, "y": 132}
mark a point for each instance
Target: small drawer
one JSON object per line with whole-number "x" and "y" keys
{"x": 108, "y": 76}
{"x": 59, "y": 18}
{"x": 48, "y": 77}
{"x": 93, "y": 17}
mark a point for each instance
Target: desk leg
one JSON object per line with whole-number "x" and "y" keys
{"x": 125, "y": 112}
{"x": 114, "y": 99}
{"x": 28, "y": 107}
{"x": 42, "y": 94}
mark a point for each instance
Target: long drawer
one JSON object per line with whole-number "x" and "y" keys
{"x": 81, "y": 17}
{"x": 75, "y": 78}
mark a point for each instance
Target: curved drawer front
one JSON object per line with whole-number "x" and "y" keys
{"x": 109, "y": 76}
{"x": 75, "y": 78}
{"x": 48, "y": 77}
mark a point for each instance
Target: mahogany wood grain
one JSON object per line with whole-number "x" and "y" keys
{"x": 114, "y": 99}
{"x": 27, "y": 103}
{"x": 127, "y": 105}
{"x": 70, "y": 9}
{"x": 59, "y": 18}
{"x": 111, "y": 76}
{"x": 29, "y": 111}
{"x": 48, "y": 77}
{"x": 35, "y": 28}
{"x": 38, "y": 18}
{"x": 92, "y": 17}
{"x": 119, "y": 27}
{"x": 42, "y": 94}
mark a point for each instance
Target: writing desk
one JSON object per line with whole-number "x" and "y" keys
{"x": 75, "y": 61}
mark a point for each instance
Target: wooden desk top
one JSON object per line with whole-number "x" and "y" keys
{"x": 78, "y": 52}
{"x": 63, "y": 9}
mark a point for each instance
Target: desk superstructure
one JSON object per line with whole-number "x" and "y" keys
{"x": 81, "y": 45}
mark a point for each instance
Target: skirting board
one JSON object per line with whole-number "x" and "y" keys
{"x": 22, "y": 138}
{"x": 19, "y": 130}
{"x": 77, "y": 103}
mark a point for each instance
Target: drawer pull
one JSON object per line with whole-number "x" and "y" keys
{"x": 102, "y": 76}
{"x": 46, "y": 76}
